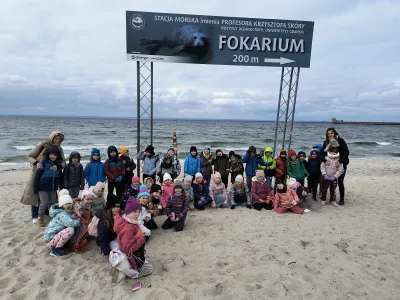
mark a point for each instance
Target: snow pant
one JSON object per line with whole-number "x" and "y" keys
{"x": 219, "y": 200}
{"x": 119, "y": 187}
{"x": 150, "y": 224}
{"x": 61, "y": 238}
{"x": 249, "y": 181}
{"x": 168, "y": 224}
{"x": 332, "y": 189}
{"x": 341, "y": 184}
{"x": 201, "y": 203}
{"x": 295, "y": 209}
{"x": 47, "y": 199}
{"x": 239, "y": 199}
{"x": 74, "y": 191}
{"x": 313, "y": 184}
{"x": 259, "y": 206}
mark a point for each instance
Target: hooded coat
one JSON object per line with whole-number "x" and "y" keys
{"x": 173, "y": 168}
{"x": 35, "y": 156}
{"x": 221, "y": 165}
{"x": 149, "y": 162}
{"x": 270, "y": 161}
{"x": 45, "y": 178}
{"x": 73, "y": 175}
{"x": 252, "y": 163}
{"x": 94, "y": 170}
{"x": 61, "y": 219}
{"x": 260, "y": 190}
{"x": 192, "y": 165}
{"x": 113, "y": 167}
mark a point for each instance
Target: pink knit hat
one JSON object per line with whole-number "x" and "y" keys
{"x": 260, "y": 173}
{"x": 98, "y": 187}
{"x": 135, "y": 179}
{"x": 217, "y": 175}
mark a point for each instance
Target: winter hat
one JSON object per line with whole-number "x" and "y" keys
{"x": 231, "y": 153}
{"x": 218, "y": 150}
{"x": 132, "y": 205}
{"x": 268, "y": 149}
{"x": 64, "y": 198}
{"x": 143, "y": 192}
{"x": 112, "y": 201}
{"x": 301, "y": 153}
{"x": 171, "y": 148}
{"x": 156, "y": 188}
{"x": 314, "y": 152}
{"x": 95, "y": 151}
{"x": 111, "y": 149}
{"x": 178, "y": 185}
{"x": 332, "y": 144}
{"x": 87, "y": 193}
{"x": 260, "y": 173}
{"x": 198, "y": 175}
{"x": 217, "y": 175}
{"x": 135, "y": 179}
{"x": 239, "y": 178}
{"x": 283, "y": 151}
{"x": 143, "y": 186}
{"x": 252, "y": 149}
{"x": 123, "y": 150}
{"x": 166, "y": 177}
{"x": 193, "y": 148}
{"x": 188, "y": 178}
{"x": 51, "y": 149}
{"x": 292, "y": 152}
{"x": 99, "y": 186}
{"x": 207, "y": 147}
{"x": 149, "y": 149}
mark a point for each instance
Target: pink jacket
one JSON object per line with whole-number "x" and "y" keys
{"x": 332, "y": 167}
{"x": 167, "y": 191}
{"x": 216, "y": 189}
{"x": 285, "y": 199}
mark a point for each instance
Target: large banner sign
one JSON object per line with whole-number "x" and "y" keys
{"x": 195, "y": 39}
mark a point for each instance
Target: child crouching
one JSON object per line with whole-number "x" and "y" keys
{"x": 188, "y": 190}
{"x": 177, "y": 208}
{"x": 217, "y": 192}
{"x": 239, "y": 193}
{"x": 99, "y": 202}
{"x": 61, "y": 227}
{"x": 286, "y": 199}
{"x": 261, "y": 192}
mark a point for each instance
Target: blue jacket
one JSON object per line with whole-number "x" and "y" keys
{"x": 94, "y": 170}
{"x": 192, "y": 165}
{"x": 252, "y": 163}
{"x": 61, "y": 220}
{"x": 104, "y": 235}
{"x": 149, "y": 163}
{"x": 46, "y": 179}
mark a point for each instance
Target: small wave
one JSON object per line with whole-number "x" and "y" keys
{"x": 71, "y": 147}
{"x": 371, "y": 144}
{"x": 384, "y": 143}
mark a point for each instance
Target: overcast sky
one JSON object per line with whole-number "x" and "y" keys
{"x": 69, "y": 59}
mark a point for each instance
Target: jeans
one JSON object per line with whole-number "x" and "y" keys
{"x": 47, "y": 199}
{"x": 219, "y": 200}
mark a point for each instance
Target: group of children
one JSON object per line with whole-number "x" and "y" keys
{"x": 122, "y": 224}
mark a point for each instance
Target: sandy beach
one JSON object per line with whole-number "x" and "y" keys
{"x": 348, "y": 252}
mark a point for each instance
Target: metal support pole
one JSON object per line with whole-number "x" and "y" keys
{"x": 144, "y": 109}
{"x": 286, "y": 108}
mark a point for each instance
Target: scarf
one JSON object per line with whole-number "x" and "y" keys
{"x": 129, "y": 220}
{"x": 333, "y": 155}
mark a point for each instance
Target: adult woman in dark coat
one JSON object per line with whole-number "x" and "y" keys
{"x": 344, "y": 152}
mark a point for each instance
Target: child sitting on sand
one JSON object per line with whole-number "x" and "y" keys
{"x": 177, "y": 208}
{"x": 83, "y": 207}
{"x": 167, "y": 189}
{"x": 261, "y": 192}
{"x": 130, "y": 238}
{"x": 286, "y": 199}
{"x": 131, "y": 190}
{"x": 155, "y": 207}
{"x": 187, "y": 188}
{"x": 239, "y": 193}
{"x": 146, "y": 222}
{"x": 99, "y": 202}
{"x": 200, "y": 192}
{"x": 217, "y": 192}
{"x": 61, "y": 227}
{"x": 331, "y": 170}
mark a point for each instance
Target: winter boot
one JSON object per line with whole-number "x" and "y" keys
{"x": 341, "y": 202}
{"x": 41, "y": 222}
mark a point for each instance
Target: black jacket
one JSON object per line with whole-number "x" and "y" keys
{"x": 221, "y": 165}
{"x": 105, "y": 236}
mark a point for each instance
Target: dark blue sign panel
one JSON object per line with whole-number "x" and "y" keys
{"x": 195, "y": 39}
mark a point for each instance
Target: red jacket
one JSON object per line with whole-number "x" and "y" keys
{"x": 130, "y": 238}
{"x": 260, "y": 191}
{"x": 281, "y": 167}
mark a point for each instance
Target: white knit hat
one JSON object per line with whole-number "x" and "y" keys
{"x": 64, "y": 198}
{"x": 198, "y": 175}
{"x": 239, "y": 178}
{"x": 167, "y": 177}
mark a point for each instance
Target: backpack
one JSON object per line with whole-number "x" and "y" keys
{"x": 92, "y": 227}
{"x": 80, "y": 238}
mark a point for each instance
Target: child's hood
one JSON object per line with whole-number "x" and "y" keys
{"x": 112, "y": 149}
{"x": 76, "y": 154}
{"x": 254, "y": 179}
{"x": 55, "y": 210}
{"x": 120, "y": 223}
{"x": 95, "y": 151}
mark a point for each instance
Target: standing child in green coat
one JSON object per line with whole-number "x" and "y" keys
{"x": 269, "y": 169}
{"x": 296, "y": 168}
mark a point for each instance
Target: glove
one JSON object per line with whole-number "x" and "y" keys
{"x": 249, "y": 206}
{"x": 118, "y": 179}
{"x": 326, "y": 177}
{"x": 294, "y": 202}
{"x": 332, "y": 178}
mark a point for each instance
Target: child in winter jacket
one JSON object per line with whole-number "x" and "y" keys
{"x": 48, "y": 178}
{"x": 221, "y": 165}
{"x": 131, "y": 190}
{"x": 148, "y": 182}
{"x": 177, "y": 209}
{"x": 206, "y": 164}
{"x": 239, "y": 193}
{"x": 286, "y": 199}
{"x": 314, "y": 169}
{"x": 281, "y": 167}
{"x": 83, "y": 207}
{"x": 261, "y": 192}
{"x": 105, "y": 226}
{"x": 94, "y": 170}
{"x": 145, "y": 218}
{"x": 155, "y": 207}
{"x": 61, "y": 227}
{"x": 200, "y": 192}
{"x": 169, "y": 164}
{"x": 150, "y": 162}
{"x": 252, "y": 161}
{"x": 130, "y": 165}
{"x": 217, "y": 192}
{"x": 187, "y": 188}
{"x": 74, "y": 180}
{"x": 167, "y": 190}
{"x": 331, "y": 169}
{"x": 192, "y": 163}
{"x": 235, "y": 165}
{"x": 114, "y": 168}
{"x": 269, "y": 169}
{"x": 130, "y": 238}
{"x": 99, "y": 202}
{"x": 296, "y": 168}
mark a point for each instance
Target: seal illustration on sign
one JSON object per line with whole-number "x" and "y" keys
{"x": 137, "y": 22}
{"x": 187, "y": 38}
